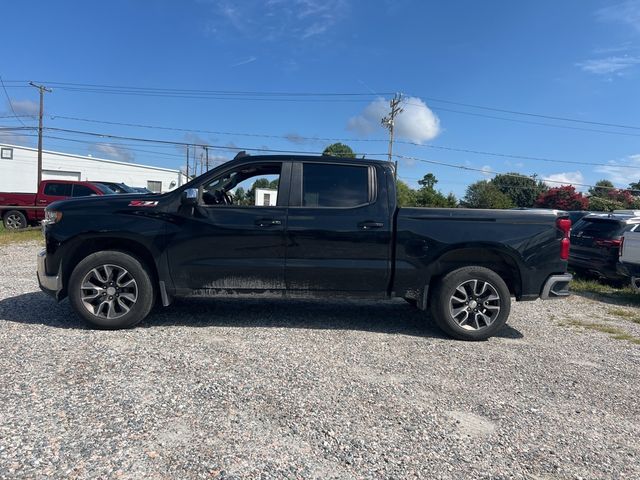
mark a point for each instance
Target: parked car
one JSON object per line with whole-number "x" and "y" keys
{"x": 336, "y": 230}
{"x": 142, "y": 190}
{"x": 629, "y": 261}
{"x": 574, "y": 215}
{"x": 595, "y": 244}
{"x": 17, "y": 209}
{"x": 117, "y": 187}
{"x": 577, "y": 215}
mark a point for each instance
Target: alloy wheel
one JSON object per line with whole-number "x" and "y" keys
{"x": 474, "y": 304}
{"x": 13, "y": 221}
{"x": 109, "y": 291}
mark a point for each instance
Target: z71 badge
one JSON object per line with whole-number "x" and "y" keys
{"x": 143, "y": 203}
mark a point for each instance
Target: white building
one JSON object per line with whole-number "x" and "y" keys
{"x": 19, "y": 170}
{"x": 266, "y": 197}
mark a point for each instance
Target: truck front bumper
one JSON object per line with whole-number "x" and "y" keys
{"x": 50, "y": 284}
{"x": 556, "y": 286}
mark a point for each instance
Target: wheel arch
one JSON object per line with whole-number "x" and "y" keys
{"x": 84, "y": 247}
{"x": 497, "y": 259}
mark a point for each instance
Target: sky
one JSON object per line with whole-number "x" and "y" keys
{"x": 464, "y": 67}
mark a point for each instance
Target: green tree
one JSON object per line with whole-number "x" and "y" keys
{"x": 522, "y": 190}
{"x": 259, "y": 183}
{"x": 339, "y": 150}
{"x": 484, "y": 194}
{"x": 599, "y": 204}
{"x": 240, "y": 196}
{"x": 428, "y": 196}
{"x": 407, "y": 196}
{"x": 601, "y": 189}
{"x": 428, "y": 181}
{"x": 635, "y": 188}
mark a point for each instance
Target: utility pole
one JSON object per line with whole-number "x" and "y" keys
{"x": 206, "y": 152}
{"x": 188, "y": 164}
{"x": 42, "y": 89}
{"x": 388, "y": 122}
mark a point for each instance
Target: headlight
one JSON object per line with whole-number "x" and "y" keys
{"x": 51, "y": 216}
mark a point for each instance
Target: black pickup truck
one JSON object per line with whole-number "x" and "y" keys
{"x": 300, "y": 226}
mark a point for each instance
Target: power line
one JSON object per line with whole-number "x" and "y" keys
{"x": 529, "y": 114}
{"x": 10, "y": 102}
{"x": 527, "y": 122}
{"x": 196, "y": 144}
{"x": 332, "y": 139}
{"x": 212, "y": 92}
{"x": 248, "y": 95}
{"x": 405, "y": 157}
{"x": 486, "y": 171}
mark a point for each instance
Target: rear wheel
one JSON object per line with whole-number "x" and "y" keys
{"x": 635, "y": 283}
{"x": 14, "y": 220}
{"x": 471, "y": 303}
{"x": 111, "y": 290}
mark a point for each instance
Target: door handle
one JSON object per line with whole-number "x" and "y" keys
{"x": 370, "y": 225}
{"x": 267, "y": 222}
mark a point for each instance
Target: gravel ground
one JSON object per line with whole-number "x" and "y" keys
{"x": 310, "y": 389}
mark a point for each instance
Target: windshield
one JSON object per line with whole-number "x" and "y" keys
{"x": 104, "y": 189}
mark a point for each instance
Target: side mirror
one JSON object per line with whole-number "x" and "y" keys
{"x": 190, "y": 197}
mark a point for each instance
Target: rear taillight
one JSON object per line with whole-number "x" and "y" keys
{"x": 564, "y": 225}
{"x": 603, "y": 242}
{"x": 564, "y": 248}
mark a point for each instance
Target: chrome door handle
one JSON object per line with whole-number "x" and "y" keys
{"x": 267, "y": 222}
{"x": 370, "y": 225}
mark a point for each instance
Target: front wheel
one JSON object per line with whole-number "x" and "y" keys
{"x": 111, "y": 289}
{"x": 471, "y": 303}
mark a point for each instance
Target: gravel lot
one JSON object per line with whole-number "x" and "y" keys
{"x": 311, "y": 389}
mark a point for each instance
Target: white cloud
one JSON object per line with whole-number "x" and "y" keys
{"x": 564, "y": 178}
{"x": 244, "y": 62}
{"x": 621, "y": 172}
{"x": 25, "y": 107}
{"x": 627, "y": 12}
{"x": 113, "y": 152}
{"x": 14, "y": 138}
{"x": 609, "y": 65}
{"x": 276, "y": 19}
{"x": 21, "y": 107}
{"x": 486, "y": 170}
{"x": 416, "y": 123}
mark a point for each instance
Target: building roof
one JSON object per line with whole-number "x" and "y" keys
{"x": 87, "y": 157}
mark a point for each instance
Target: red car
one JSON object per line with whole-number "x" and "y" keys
{"x": 20, "y": 210}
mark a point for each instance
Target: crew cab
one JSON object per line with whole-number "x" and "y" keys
{"x": 19, "y": 210}
{"x": 315, "y": 227}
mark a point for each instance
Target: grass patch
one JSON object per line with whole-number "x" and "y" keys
{"x": 8, "y": 237}
{"x": 613, "y": 332}
{"x": 593, "y": 287}
{"x": 626, "y": 314}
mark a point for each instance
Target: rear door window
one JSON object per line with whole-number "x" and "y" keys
{"x": 55, "y": 189}
{"x": 600, "y": 229}
{"x": 82, "y": 191}
{"x": 335, "y": 186}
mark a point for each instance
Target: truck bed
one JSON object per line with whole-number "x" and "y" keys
{"x": 518, "y": 242}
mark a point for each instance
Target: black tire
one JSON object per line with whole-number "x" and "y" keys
{"x": 14, "y": 220}
{"x": 96, "y": 267}
{"x": 482, "y": 320}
